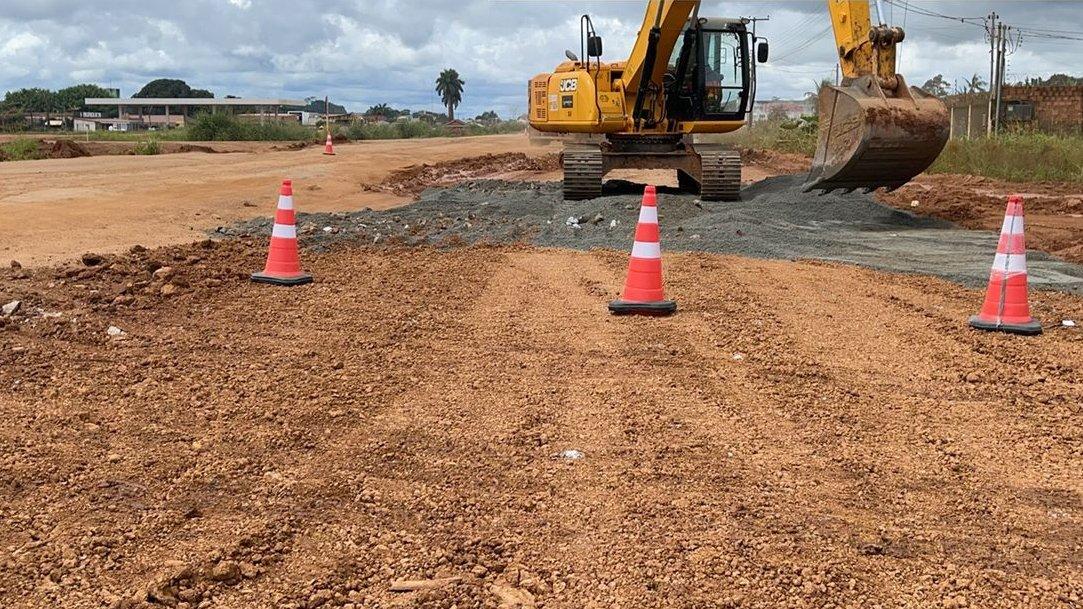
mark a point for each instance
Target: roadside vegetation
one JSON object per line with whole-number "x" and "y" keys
{"x": 797, "y": 136}
{"x": 422, "y": 129}
{"x": 149, "y": 147}
{"x": 1015, "y": 157}
{"x": 22, "y": 149}
{"x": 226, "y": 128}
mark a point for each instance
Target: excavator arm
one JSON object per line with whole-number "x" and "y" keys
{"x": 662, "y": 27}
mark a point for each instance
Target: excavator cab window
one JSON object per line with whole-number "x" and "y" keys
{"x": 708, "y": 76}
{"x": 724, "y": 65}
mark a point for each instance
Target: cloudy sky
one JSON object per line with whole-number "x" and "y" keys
{"x": 363, "y": 52}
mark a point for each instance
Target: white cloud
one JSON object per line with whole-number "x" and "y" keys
{"x": 363, "y": 52}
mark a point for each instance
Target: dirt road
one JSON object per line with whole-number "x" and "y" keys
{"x": 799, "y": 435}
{"x": 54, "y": 210}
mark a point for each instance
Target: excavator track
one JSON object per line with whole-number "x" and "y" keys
{"x": 583, "y": 172}
{"x": 720, "y": 175}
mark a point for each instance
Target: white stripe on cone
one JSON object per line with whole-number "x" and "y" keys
{"x": 1013, "y": 225}
{"x": 648, "y": 215}
{"x": 283, "y": 231}
{"x": 285, "y": 202}
{"x": 1010, "y": 263}
{"x": 649, "y": 251}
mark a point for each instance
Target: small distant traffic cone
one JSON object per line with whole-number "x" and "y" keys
{"x": 643, "y": 291}
{"x": 329, "y": 147}
{"x": 283, "y": 261}
{"x": 1006, "y": 308}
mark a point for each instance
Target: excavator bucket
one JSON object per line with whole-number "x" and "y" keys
{"x": 869, "y": 140}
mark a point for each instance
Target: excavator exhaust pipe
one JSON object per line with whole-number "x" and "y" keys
{"x": 869, "y": 140}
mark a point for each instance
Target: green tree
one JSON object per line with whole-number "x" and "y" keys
{"x": 383, "y": 110}
{"x": 172, "y": 87}
{"x": 1054, "y": 80}
{"x": 937, "y": 86}
{"x": 72, "y": 99}
{"x": 450, "y": 88}
{"x": 31, "y": 100}
{"x": 487, "y": 117}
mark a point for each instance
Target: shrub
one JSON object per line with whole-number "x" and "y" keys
{"x": 786, "y": 135}
{"x": 212, "y": 127}
{"x": 401, "y": 130}
{"x": 149, "y": 147}
{"x": 224, "y": 127}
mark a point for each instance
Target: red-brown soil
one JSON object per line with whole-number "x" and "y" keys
{"x": 799, "y": 435}
{"x": 413, "y": 180}
{"x": 1054, "y": 211}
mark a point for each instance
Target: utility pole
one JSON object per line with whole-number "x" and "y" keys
{"x": 992, "y": 30}
{"x": 1002, "y": 60}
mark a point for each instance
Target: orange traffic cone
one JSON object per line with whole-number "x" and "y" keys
{"x": 329, "y": 147}
{"x": 643, "y": 291}
{"x": 283, "y": 262}
{"x": 1006, "y": 308}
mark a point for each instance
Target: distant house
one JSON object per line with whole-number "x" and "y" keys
{"x": 781, "y": 108}
{"x": 456, "y": 127}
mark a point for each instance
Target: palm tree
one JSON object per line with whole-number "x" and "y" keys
{"x": 975, "y": 84}
{"x": 450, "y": 88}
{"x": 383, "y": 110}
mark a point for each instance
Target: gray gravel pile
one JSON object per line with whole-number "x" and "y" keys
{"x": 774, "y": 220}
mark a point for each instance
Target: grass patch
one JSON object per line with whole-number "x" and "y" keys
{"x": 22, "y": 149}
{"x": 420, "y": 129}
{"x": 149, "y": 147}
{"x": 796, "y": 136}
{"x": 226, "y": 128}
{"x": 172, "y": 135}
{"x": 1016, "y": 157}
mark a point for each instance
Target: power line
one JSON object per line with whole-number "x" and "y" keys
{"x": 804, "y": 45}
{"x": 905, "y": 4}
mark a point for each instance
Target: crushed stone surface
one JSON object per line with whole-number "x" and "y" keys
{"x": 773, "y": 220}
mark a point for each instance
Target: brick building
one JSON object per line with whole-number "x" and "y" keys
{"x": 1057, "y": 109}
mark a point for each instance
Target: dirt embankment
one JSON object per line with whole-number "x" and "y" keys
{"x": 1054, "y": 211}
{"x": 415, "y": 179}
{"x": 73, "y": 149}
{"x": 401, "y": 432}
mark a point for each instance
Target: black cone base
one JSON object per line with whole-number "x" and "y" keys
{"x": 301, "y": 279}
{"x": 1032, "y": 328}
{"x": 624, "y": 307}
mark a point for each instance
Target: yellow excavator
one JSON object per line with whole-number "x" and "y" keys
{"x": 689, "y": 75}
